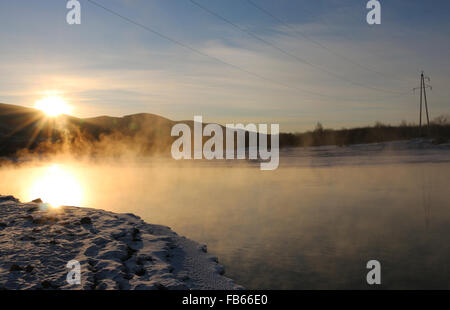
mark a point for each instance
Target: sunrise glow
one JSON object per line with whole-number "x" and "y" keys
{"x": 53, "y": 106}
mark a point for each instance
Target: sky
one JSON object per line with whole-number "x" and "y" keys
{"x": 304, "y": 62}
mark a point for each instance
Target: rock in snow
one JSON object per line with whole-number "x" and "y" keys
{"x": 115, "y": 251}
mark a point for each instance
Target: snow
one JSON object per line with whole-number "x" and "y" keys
{"x": 115, "y": 251}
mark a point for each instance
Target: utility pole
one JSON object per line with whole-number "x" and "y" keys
{"x": 423, "y": 99}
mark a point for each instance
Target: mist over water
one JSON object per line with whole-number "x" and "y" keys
{"x": 312, "y": 223}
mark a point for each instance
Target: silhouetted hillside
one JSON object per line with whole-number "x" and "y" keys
{"x": 26, "y": 130}
{"x": 439, "y": 132}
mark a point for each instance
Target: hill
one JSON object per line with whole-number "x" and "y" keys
{"x": 27, "y": 130}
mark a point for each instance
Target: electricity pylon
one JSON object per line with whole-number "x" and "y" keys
{"x": 423, "y": 99}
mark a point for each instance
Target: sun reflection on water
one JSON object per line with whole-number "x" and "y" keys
{"x": 57, "y": 186}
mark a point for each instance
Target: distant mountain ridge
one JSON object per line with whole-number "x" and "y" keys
{"x": 27, "y": 130}
{"x": 23, "y": 128}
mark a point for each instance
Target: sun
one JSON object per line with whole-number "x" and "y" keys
{"x": 53, "y": 106}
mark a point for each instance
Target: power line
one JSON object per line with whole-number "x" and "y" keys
{"x": 186, "y": 46}
{"x": 345, "y": 36}
{"x": 319, "y": 44}
{"x": 297, "y": 58}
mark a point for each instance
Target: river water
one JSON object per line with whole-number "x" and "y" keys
{"x": 313, "y": 223}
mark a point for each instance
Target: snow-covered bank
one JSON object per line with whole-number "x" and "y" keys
{"x": 115, "y": 251}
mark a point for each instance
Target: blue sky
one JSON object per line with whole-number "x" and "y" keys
{"x": 106, "y": 66}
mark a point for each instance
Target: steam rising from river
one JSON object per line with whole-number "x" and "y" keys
{"x": 312, "y": 223}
